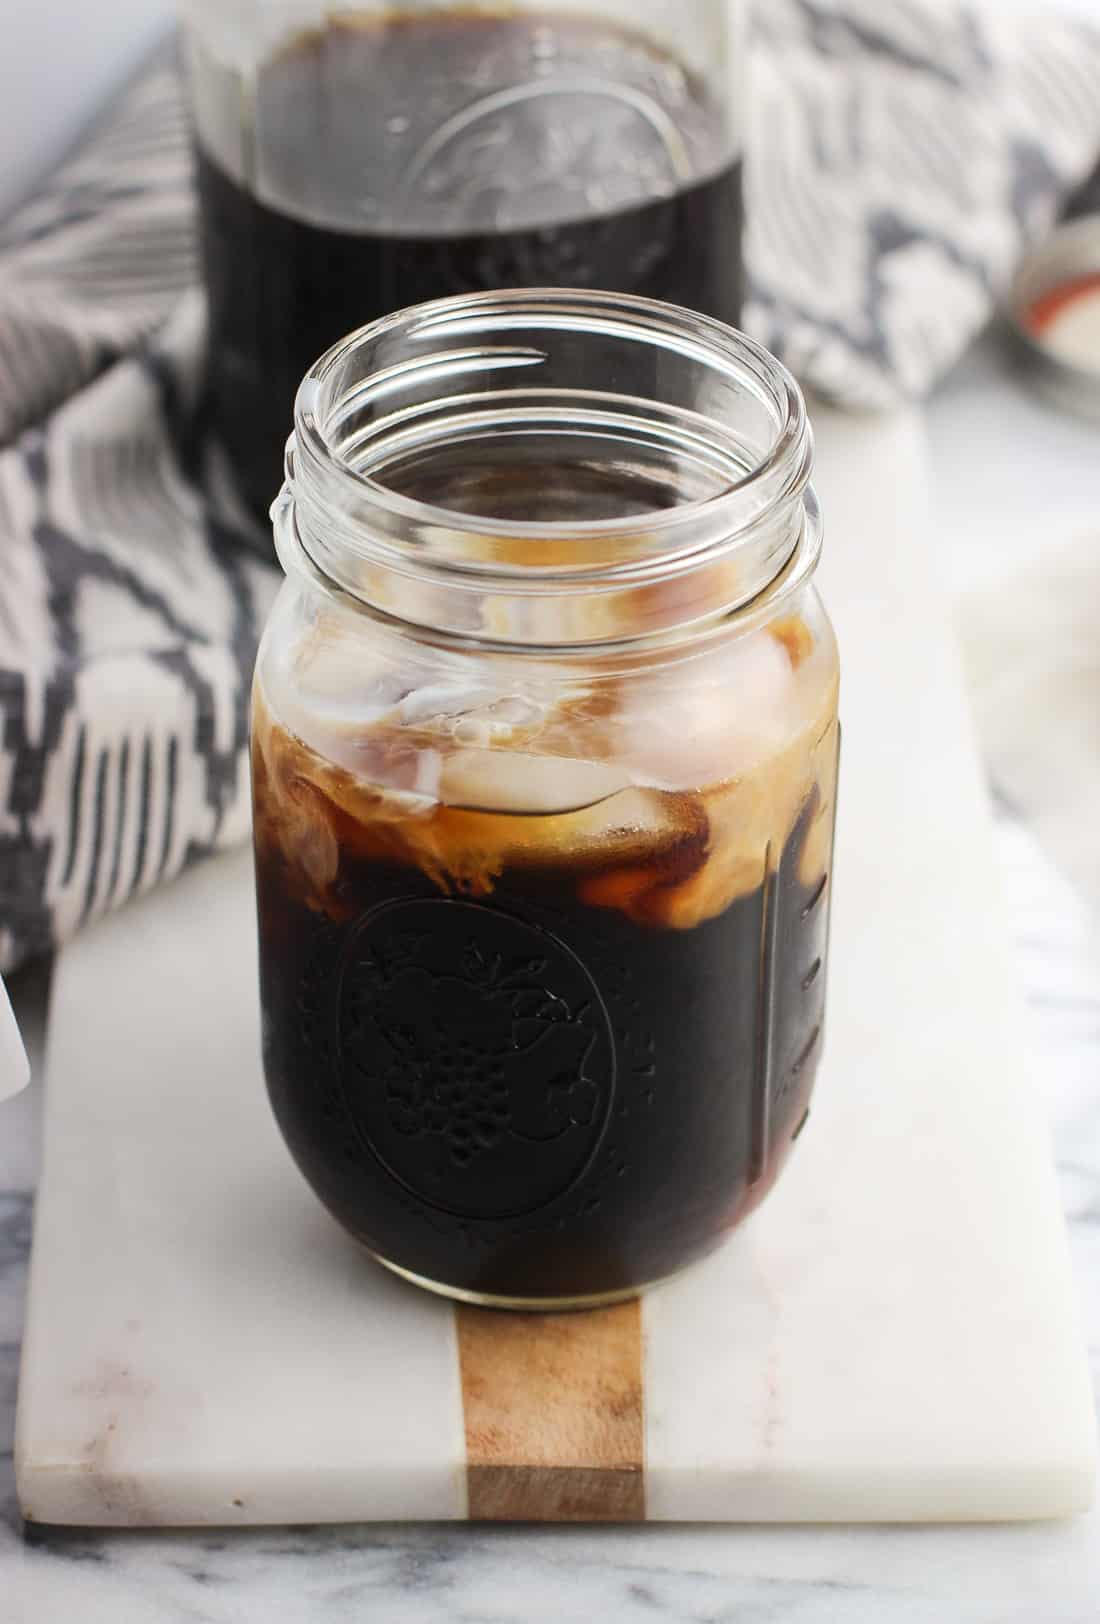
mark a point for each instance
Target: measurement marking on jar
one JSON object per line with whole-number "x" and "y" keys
{"x": 808, "y": 1049}
{"x": 811, "y": 975}
{"x": 816, "y": 898}
{"x": 765, "y": 1020}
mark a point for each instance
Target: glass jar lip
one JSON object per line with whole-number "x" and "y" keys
{"x": 628, "y": 315}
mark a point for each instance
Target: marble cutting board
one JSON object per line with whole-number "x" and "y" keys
{"x": 893, "y": 1336}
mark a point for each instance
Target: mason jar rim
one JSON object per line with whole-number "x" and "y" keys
{"x": 629, "y": 315}
{"x": 409, "y": 385}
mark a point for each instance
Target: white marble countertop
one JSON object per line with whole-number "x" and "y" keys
{"x": 1010, "y": 477}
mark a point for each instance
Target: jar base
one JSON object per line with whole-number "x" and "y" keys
{"x": 528, "y": 1305}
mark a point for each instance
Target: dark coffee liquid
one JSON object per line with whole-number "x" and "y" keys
{"x": 418, "y": 157}
{"x": 535, "y": 1095}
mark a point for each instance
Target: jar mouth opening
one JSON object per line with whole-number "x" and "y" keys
{"x": 414, "y": 379}
{"x": 608, "y": 469}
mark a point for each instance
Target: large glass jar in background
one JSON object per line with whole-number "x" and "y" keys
{"x": 544, "y": 753}
{"x": 357, "y": 158}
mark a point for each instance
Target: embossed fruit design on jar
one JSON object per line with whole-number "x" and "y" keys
{"x": 544, "y": 752}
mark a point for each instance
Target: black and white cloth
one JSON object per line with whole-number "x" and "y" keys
{"x": 901, "y": 156}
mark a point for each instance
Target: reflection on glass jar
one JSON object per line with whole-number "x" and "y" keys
{"x": 356, "y": 159}
{"x": 545, "y": 748}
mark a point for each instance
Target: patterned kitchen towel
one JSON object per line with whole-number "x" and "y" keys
{"x": 901, "y": 155}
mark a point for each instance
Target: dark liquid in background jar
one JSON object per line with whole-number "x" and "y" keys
{"x": 547, "y": 1088}
{"x": 414, "y": 157}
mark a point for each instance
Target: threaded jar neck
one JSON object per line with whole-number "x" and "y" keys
{"x": 550, "y": 469}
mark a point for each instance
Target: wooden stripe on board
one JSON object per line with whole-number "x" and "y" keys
{"x": 553, "y": 1407}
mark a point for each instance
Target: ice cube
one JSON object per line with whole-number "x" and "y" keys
{"x": 722, "y": 718}
{"x": 476, "y": 716}
{"x": 516, "y": 781}
{"x": 327, "y": 682}
{"x": 439, "y": 704}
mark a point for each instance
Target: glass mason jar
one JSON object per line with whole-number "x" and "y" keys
{"x": 544, "y": 753}
{"x": 356, "y": 158}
